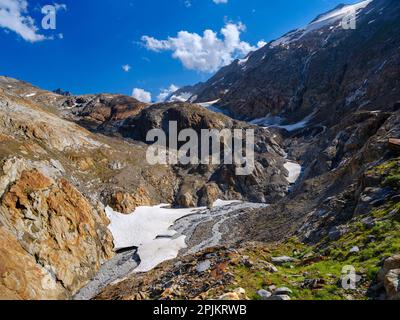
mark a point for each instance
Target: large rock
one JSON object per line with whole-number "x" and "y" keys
{"x": 126, "y": 203}
{"x": 392, "y": 284}
{"x": 21, "y": 277}
{"x": 389, "y": 276}
{"x": 56, "y": 225}
{"x": 208, "y": 195}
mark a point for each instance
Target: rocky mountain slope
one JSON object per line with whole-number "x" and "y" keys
{"x": 57, "y": 176}
{"x": 321, "y": 69}
{"x": 332, "y": 96}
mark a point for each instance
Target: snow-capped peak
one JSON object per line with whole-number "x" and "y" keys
{"x": 330, "y": 18}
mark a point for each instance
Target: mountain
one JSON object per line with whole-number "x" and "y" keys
{"x": 324, "y": 104}
{"x": 63, "y": 159}
{"x": 332, "y": 95}
{"x": 321, "y": 69}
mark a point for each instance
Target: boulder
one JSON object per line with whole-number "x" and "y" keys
{"x": 264, "y": 294}
{"x": 269, "y": 267}
{"x": 282, "y": 291}
{"x": 237, "y": 294}
{"x": 354, "y": 250}
{"x": 390, "y": 263}
{"x": 389, "y": 277}
{"x": 282, "y": 260}
{"x": 186, "y": 200}
{"x": 126, "y": 203}
{"x": 208, "y": 195}
{"x": 203, "y": 266}
{"x": 280, "y": 298}
{"x": 392, "y": 284}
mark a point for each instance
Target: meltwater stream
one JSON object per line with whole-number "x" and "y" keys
{"x": 157, "y": 234}
{"x": 180, "y": 236}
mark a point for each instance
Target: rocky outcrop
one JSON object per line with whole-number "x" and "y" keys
{"x": 389, "y": 277}
{"x": 127, "y": 203}
{"x": 268, "y": 182}
{"x": 54, "y": 223}
{"x": 21, "y": 278}
{"x": 101, "y": 112}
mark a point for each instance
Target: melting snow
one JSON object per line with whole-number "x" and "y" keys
{"x": 183, "y": 97}
{"x": 294, "y": 171}
{"x": 208, "y": 104}
{"x": 223, "y": 203}
{"x": 275, "y": 122}
{"x": 31, "y": 95}
{"x": 149, "y": 229}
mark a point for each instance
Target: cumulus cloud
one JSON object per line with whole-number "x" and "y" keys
{"x": 207, "y": 52}
{"x": 141, "y": 95}
{"x": 14, "y": 16}
{"x": 165, "y": 93}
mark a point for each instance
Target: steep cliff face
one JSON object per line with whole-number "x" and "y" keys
{"x": 56, "y": 225}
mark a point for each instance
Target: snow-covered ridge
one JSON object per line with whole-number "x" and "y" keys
{"x": 332, "y": 18}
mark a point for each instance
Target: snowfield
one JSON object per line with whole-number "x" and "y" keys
{"x": 149, "y": 229}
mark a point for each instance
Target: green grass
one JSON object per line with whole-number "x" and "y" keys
{"x": 375, "y": 244}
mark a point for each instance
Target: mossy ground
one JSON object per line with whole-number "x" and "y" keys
{"x": 325, "y": 261}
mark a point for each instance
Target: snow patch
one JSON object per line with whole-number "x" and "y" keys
{"x": 183, "y": 97}
{"x": 223, "y": 203}
{"x": 149, "y": 229}
{"x": 294, "y": 171}
{"x": 275, "y": 122}
{"x": 208, "y": 104}
{"x": 31, "y": 95}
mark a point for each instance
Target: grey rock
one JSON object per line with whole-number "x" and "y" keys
{"x": 203, "y": 266}
{"x": 282, "y": 291}
{"x": 335, "y": 234}
{"x": 368, "y": 222}
{"x": 280, "y": 298}
{"x": 282, "y": 260}
{"x": 264, "y": 294}
{"x": 355, "y": 249}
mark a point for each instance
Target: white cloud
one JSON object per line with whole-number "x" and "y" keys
{"x": 165, "y": 93}
{"x": 261, "y": 43}
{"x": 220, "y": 1}
{"x": 126, "y": 67}
{"x": 14, "y": 16}
{"x": 206, "y": 53}
{"x": 141, "y": 95}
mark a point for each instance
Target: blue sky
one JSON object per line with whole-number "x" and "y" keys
{"x": 101, "y": 36}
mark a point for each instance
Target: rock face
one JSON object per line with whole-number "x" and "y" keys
{"x": 268, "y": 182}
{"x": 21, "y": 277}
{"x": 55, "y": 177}
{"x": 101, "y": 112}
{"x": 55, "y": 224}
